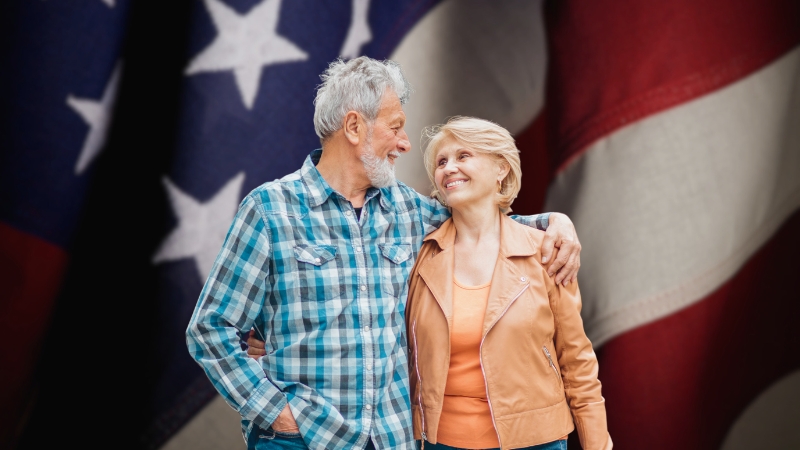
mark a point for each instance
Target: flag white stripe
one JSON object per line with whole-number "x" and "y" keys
{"x": 672, "y": 206}
{"x": 472, "y": 58}
{"x": 770, "y": 421}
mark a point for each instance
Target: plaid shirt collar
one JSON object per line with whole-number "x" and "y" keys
{"x": 318, "y": 190}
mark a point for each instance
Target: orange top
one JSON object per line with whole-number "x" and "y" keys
{"x": 466, "y": 419}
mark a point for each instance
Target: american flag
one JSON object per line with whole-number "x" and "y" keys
{"x": 668, "y": 131}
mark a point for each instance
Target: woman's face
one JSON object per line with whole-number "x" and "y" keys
{"x": 464, "y": 176}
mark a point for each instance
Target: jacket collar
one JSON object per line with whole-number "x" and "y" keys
{"x": 508, "y": 281}
{"x": 513, "y": 240}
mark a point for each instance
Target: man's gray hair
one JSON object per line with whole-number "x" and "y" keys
{"x": 355, "y": 85}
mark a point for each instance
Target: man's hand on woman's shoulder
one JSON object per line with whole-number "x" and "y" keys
{"x": 561, "y": 242}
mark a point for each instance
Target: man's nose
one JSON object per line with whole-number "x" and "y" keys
{"x": 403, "y": 144}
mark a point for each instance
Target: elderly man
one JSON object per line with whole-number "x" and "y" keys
{"x": 316, "y": 263}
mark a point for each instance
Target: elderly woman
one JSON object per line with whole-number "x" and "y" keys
{"x": 499, "y": 357}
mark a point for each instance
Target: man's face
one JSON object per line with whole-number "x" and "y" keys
{"x": 386, "y": 140}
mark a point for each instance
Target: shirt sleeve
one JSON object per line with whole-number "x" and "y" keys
{"x": 434, "y": 214}
{"x": 230, "y": 302}
{"x": 538, "y": 221}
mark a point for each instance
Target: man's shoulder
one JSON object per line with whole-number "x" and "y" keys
{"x": 535, "y": 235}
{"x": 403, "y": 196}
{"x": 406, "y": 190}
{"x": 282, "y": 191}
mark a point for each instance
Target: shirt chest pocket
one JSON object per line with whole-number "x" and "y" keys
{"x": 395, "y": 265}
{"x": 319, "y": 276}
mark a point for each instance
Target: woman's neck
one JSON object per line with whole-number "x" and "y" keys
{"x": 477, "y": 244}
{"x": 477, "y": 223}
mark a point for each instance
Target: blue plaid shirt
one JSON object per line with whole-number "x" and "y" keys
{"x": 327, "y": 291}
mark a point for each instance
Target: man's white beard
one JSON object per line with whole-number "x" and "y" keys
{"x": 379, "y": 170}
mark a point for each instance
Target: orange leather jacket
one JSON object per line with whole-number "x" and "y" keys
{"x": 539, "y": 366}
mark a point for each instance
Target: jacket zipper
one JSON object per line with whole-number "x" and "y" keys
{"x": 419, "y": 378}
{"x": 480, "y": 356}
{"x": 550, "y": 359}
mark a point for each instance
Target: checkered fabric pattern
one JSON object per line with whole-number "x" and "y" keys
{"x": 327, "y": 291}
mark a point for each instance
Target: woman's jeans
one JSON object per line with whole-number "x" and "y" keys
{"x": 555, "y": 445}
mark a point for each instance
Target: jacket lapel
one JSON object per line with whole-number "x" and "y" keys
{"x": 508, "y": 281}
{"x": 437, "y": 273}
{"x": 507, "y": 284}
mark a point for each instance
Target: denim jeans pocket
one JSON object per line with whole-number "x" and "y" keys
{"x": 272, "y": 434}
{"x": 270, "y": 439}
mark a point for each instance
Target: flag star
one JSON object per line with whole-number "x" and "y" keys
{"x": 201, "y": 227}
{"x": 96, "y": 114}
{"x": 359, "y": 32}
{"x": 245, "y": 44}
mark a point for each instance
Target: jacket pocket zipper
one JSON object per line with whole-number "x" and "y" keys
{"x": 550, "y": 360}
{"x": 480, "y": 359}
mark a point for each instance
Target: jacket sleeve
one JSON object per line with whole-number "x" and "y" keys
{"x": 579, "y": 367}
{"x": 230, "y": 301}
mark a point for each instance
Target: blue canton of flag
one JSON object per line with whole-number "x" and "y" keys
{"x": 60, "y": 71}
{"x": 61, "y": 83}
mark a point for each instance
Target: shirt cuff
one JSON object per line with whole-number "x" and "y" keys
{"x": 543, "y": 221}
{"x": 264, "y": 404}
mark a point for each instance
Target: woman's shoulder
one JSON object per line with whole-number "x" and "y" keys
{"x": 442, "y": 237}
{"x": 533, "y": 234}
{"x": 522, "y": 242}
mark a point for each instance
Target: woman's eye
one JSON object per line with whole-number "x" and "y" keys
{"x": 441, "y": 162}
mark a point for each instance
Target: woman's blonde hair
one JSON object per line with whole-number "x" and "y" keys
{"x": 481, "y": 136}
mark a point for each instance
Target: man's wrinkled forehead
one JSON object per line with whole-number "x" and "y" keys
{"x": 391, "y": 109}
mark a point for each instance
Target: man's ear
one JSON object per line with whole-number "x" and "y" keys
{"x": 352, "y": 125}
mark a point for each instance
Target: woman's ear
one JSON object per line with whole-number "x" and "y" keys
{"x": 502, "y": 170}
{"x": 352, "y": 125}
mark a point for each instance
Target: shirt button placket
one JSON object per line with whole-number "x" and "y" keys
{"x": 369, "y": 388}
{"x": 365, "y": 316}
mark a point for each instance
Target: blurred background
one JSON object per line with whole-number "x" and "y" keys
{"x": 668, "y": 131}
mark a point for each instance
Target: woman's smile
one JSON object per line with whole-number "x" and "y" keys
{"x": 452, "y": 184}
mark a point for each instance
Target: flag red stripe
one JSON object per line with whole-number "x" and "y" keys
{"x": 614, "y": 62}
{"x": 536, "y": 175}
{"x": 681, "y": 382}
{"x": 30, "y": 275}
